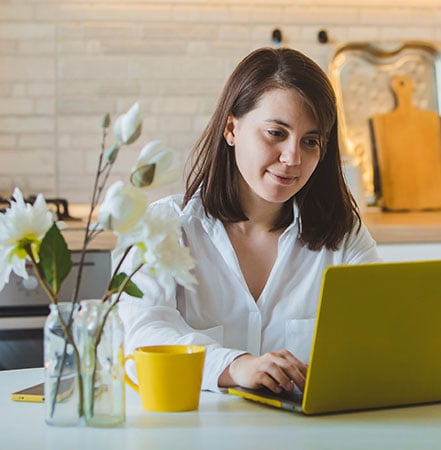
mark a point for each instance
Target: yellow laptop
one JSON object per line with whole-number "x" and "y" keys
{"x": 377, "y": 340}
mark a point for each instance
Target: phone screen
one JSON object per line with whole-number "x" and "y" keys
{"x": 30, "y": 394}
{"x": 36, "y": 393}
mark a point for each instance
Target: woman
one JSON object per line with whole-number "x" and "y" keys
{"x": 265, "y": 211}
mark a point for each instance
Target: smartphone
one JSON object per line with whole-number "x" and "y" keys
{"x": 36, "y": 393}
{"x": 30, "y": 394}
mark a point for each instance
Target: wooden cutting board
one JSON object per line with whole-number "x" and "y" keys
{"x": 407, "y": 143}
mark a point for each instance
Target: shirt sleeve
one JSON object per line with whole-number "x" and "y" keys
{"x": 155, "y": 320}
{"x": 360, "y": 247}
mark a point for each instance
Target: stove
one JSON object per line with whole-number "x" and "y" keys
{"x": 59, "y": 206}
{"x": 24, "y": 305}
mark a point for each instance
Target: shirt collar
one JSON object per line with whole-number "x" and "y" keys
{"x": 194, "y": 209}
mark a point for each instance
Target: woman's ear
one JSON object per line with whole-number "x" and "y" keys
{"x": 229, "y": 130}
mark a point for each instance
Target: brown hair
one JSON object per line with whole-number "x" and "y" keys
{"x": 327, "y": 209}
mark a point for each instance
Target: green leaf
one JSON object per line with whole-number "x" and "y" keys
{"x": 131, "y": 288}
{"x": 55, "y": 258}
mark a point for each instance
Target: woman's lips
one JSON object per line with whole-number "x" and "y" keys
{"x": 283, "y": 179}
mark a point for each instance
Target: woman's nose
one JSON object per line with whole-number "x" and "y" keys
{"x": 291, "y": 154}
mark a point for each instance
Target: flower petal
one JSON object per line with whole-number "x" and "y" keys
{"x": 128, "y": 126}
{"x": 22, "y": 229}
{"x": 122, "y": 208}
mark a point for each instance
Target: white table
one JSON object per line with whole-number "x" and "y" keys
{"x": 222, "y": 422}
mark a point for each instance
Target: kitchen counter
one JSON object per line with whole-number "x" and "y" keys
{"x": 75, "y": 229}
{"x": 385, "y": 228}
{"x": 403, "y": 227}
{"x": 74, "y": 236}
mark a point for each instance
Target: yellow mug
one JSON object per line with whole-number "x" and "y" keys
{"x": 169, "y": 376}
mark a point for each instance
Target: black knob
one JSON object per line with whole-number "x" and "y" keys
{"x": 277, "y": 36}
{"x": 323, "y": 37}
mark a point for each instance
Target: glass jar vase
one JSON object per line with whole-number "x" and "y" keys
{"x": 99, "y": 335}
{"x": 62, "y": 375}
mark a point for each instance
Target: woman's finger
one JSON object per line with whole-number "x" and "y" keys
{"x": 285, "y": 371}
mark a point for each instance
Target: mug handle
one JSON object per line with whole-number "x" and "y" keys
{"x": 128, "y": 380}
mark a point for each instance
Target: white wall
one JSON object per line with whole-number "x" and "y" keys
{"x": 65, "y": 62}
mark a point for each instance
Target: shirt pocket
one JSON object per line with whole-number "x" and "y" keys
{"x": 298, "y": 337}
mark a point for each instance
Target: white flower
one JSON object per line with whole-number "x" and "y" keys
{"x": 154, "y": 239}
{"x": 152, "y": 168}
{"x": 128, "y": 126}
{"x": 22, "y": 225}
{"x": 158, "y": 245}
{"x": 27, "y": 232}
{"x": 122, "y": 208}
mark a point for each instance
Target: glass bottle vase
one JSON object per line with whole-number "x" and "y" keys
{"x": 62, "y": 376}
{"x": 99, "y": 334}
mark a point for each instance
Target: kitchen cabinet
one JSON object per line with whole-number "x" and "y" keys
{"x": 409, "y": 251}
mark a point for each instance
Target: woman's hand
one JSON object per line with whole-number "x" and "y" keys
{"x": 274, "y": 370}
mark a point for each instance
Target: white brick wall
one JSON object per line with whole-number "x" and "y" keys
{"x": 65, "y": 62}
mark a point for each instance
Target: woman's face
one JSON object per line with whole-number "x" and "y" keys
{"x": 277, "y": 146}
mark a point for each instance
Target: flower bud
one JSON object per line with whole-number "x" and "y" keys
{"x": 111, "y": 154}
{"x": 153, "y": 167}
{"x": 128, "y": 126}
{"x": 105, "y": 120}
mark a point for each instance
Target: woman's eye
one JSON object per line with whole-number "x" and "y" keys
{"x": 312, "y": 142}
{"x": 275, "y": 133}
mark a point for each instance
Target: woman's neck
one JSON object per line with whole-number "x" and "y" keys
{"x": 261, "y": 214}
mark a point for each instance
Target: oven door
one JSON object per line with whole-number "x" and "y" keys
{"x": 21, "y": 338}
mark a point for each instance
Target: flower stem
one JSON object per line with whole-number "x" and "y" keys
{"x": 89, "y": 233}
{"x": 70, "y": 340}
{"x": 104, "y": 321}
{"x": 67, "y": 334}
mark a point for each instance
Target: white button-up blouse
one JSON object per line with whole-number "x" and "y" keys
{"x": 221, "y": 313}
